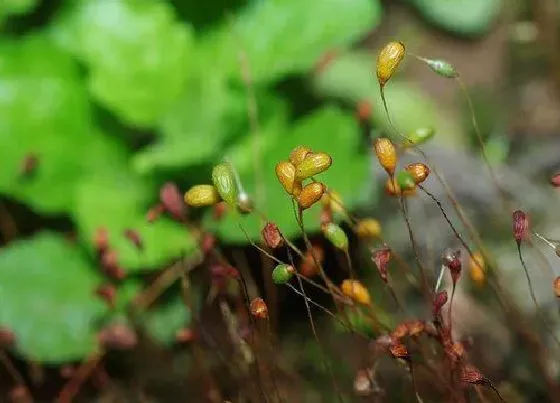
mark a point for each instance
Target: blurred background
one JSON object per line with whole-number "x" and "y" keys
{"x": 111, "y": 109}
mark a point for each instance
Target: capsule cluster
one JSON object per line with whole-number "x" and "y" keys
{"x": 402, "y": 182}
{"x": 224, "y": 190}
{"x": 303, "y": 165}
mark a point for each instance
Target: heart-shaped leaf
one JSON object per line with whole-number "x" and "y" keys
{"x": 136, "y": 51}
{"x": 46, "y": 119}
{"x": 47, "y": 289}
{"x": 281, "y": 37}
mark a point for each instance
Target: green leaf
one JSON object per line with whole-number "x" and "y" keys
{"x": 47, "y": 289}
{"x": 136, "y": 51}
{"x": 351, "y": 77}
{"x": 463, "y": 17}
{"x": 329, "y": 130}
{"x": 164, "y": 320}
{"x": 120, "y": 202}
{"x": 282, "y": 37}
{"x": 45, "y": 112}
{"x": 16, "y": 7}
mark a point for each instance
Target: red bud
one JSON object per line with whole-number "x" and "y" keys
{"x": 452, "y": 260}
{"x": 400, "y": 331}
{"x": 272, "y": 236}
{"x": 363, "y": 110}
{"x": 555, "y": 180}
{"x": 134, "y": 237}
{"x": 185, "y": 335}
{"x": 399, "y": 350}
{"x": 107, "y": 292}
{"x": 118, "y": 336}
{"x": 258, "y": 308}
{"x": 7, "y": 337}
{"x": 101, "y": 239}
{"x": 219, "y": 210}
{"x": 28, "y": 165}
{"x": 207, "y": 242}
{"x": 440, "y": 300}
{"x": 172, "y": 200}
{"x": 154, "y": 213}
{"x": 326, "y": 59}
{"x": 472, "y": 375}
{"x": 520, "y": 226}
{"x": 381, "y": 260}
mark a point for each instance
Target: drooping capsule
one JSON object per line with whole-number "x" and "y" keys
{"x": 368, "y": 228}
{"x": 441, "y": 68}
{"x": 282, "y": 273}
{"x": 223, "y": 179}
{"x": 405, "y": 180}
{"x": 298, "y": 154}
{"x": 286, "y": 174}
{"x": 310, "y": 261}
{"x": 556, "y": 286}
{"x": 520, "y": 222}
{"x": 440, "y": 300}
{"x": 388, "y": 60}
{"x": 258, "y": 308}
{"x": 386, "y": 154}
{"x": 381, "y": 259}
{"x": 310, "y": 194}
{"x": 272, "y": 236}
{"x": 202, "y": 195}
{"x": 555, "y": 180}
{"x": 336, "y": 236}
{"x": 313, "y": 164}
{"x": 418, "y": 171}
{"x": 420, "y": 136}
{"x": 354, "y": 290}
{"x": 477, "y": 268}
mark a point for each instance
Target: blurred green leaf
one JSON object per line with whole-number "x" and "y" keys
{"x": 47, "y": 289}
{"x": 463, "y": 17}
{"x": 45, "y": 112}
{"x": 281, "y": 37}
{"x": 120, "y": 202}
{"x": 136, "y": 51}
{"x": 164, "y": 320}
{"x": 351, "y": 77}
{"x": 16, "y": 7}
{"x": 329, "y": 130}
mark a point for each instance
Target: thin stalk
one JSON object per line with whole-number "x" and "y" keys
{"x": 533, "y": 297}
{"x": 72, "y": 387}
{"x": 325, "y": 361}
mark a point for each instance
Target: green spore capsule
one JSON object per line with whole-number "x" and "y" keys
{"x": 282, "y": 273}
{"x": 421, "y": 135}
{"x": 405, "y": 180}
{"x": 336, "y": 236}
{"x": 442, "y": 68}
{"x": 224, "y": 182}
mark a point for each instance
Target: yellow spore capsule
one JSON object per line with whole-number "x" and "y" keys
{"x": 418, "y": 171}
{"x": 286, "y": 174}
{"x": 386, "y": 154}
{"x": 356, "y": 291}
{"x": 298, "y": 154}
{"x": 368, "y": 228}
{"x": 202, "y": 195}
{"x": 313, "y": 164}
{"x": 388, "y": 61}
{"x": 310, "y": 194}
{"x": 477, "y": 269}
